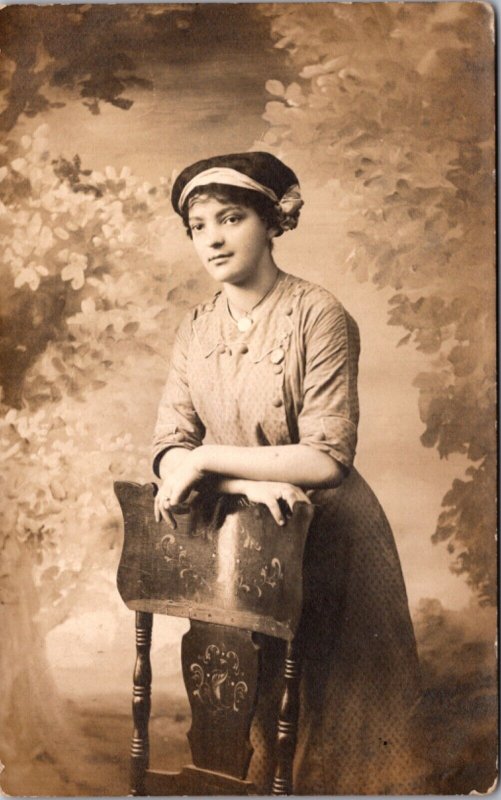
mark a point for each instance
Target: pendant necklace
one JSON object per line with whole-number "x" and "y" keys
{"x": 246, "y": 322}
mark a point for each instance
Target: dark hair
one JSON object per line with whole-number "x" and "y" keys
{"x": 265, "y": 208}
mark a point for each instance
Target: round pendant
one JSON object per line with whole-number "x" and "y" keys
{"x": 277, "y": 356}
{"x": 244, "y": 324}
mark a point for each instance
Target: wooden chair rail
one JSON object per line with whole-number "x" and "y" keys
{"x": 232, "y": 575}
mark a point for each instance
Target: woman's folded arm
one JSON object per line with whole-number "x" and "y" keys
{"x": 298, "y": 464}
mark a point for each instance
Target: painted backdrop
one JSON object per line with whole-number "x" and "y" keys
{"x": 386, "y": 113}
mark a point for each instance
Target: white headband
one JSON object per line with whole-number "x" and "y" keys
{"x": 227, "y": 176}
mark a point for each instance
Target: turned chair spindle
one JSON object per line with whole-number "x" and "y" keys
{"x": 232, "y": 579}
{"x": 141, "y": 703}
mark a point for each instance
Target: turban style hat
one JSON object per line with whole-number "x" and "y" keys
{"x": 255, "y": 171}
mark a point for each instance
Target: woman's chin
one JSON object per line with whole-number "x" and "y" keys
{"x": 226, "y": 274}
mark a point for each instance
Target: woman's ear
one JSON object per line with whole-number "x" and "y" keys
{"x": 272, "y": 233}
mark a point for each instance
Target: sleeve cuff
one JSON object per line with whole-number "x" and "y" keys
{"x": 179, "y": 439}
{"x": 334, "y": 435}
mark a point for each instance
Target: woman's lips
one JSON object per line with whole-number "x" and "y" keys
{"x": 220, "y": 257}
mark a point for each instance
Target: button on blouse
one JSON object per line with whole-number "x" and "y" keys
{"x": 291, "y": 378}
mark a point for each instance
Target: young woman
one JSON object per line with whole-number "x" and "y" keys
{"x": 261, "y": 399}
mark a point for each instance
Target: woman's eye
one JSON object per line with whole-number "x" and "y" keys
{"x": 197, "y": 226}
{"x": 233, "y": 218}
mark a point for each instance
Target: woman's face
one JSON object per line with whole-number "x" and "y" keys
{"x": 231, "y": 240}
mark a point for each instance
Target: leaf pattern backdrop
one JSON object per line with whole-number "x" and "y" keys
{"x": 386, "y": 113}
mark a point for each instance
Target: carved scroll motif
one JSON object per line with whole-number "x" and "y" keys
{"x": 176, "y": 555}
{"x": 236, "y": 569}
{"x": 220, "y": 670}
{"x": 218, "y": 680}
{"x": 270, "y": 577}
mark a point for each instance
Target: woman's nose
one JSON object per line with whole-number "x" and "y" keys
{"x": 215, "y": 237}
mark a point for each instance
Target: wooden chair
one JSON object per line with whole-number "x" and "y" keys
{"x": 231, "y": 579}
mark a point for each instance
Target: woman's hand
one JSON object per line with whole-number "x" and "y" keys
{"x": 280, "y": 498}
{"x": 175, "y": 488}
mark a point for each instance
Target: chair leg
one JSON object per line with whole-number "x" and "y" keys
{"x": 141, "y": 704}
{"x": 287, "y": 722}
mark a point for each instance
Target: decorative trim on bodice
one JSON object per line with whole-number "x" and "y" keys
{"x": 216, "y": 332}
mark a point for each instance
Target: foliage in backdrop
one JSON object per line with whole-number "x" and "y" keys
{"x": 84, "y": 322}
{"x": 389, "y": 118}
{"x": 89, "y": 52}
{"x": 394, "y": 108}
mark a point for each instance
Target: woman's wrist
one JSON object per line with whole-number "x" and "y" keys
{"x": 219, "y": 484}
{"x": 232, "y": 485}
{"x": 201, "y": 459}
{"x": 171, "y": 460}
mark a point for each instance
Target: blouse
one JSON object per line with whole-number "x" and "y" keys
{"x": 291, "y": 378}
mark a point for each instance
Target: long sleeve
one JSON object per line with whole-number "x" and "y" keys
{"x": 178, "y": 424}
{"x": 329, "y": 411}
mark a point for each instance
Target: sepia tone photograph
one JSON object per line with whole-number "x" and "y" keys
{"x": 248, "y": 399}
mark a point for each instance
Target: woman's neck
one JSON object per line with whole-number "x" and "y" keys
{"x": 244, "y": 296}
